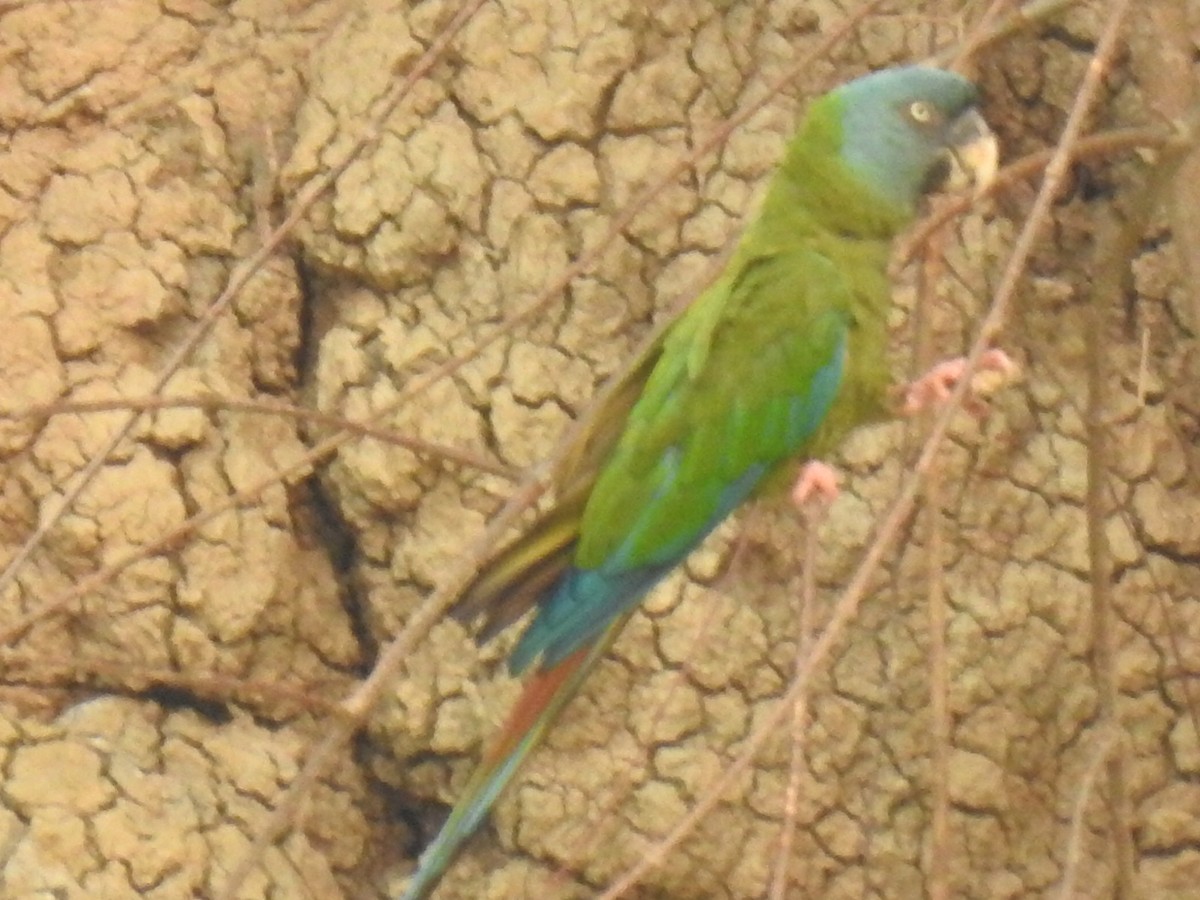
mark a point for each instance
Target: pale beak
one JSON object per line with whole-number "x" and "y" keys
{"x": 974, "y": 153}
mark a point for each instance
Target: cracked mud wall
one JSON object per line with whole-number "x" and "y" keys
{"x": 130, "y": 131}
{"x": 124, "y": 210}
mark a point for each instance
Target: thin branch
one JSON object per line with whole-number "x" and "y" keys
{"x": 1173, "y": 627}
{"x": 979, "y": 34}
{"x": 1108, "y": 281}
{"x": 1119, "y": 140}
{"x": 1170, "y": 87}
{"x": 353, "y": 427}
{"x": 933, "y": 273}
{"x": 1032, "y": 13}
{"x": 939, "y": 703}
{"x": 1105, "y": 747}
{"x": 805, "y": 617}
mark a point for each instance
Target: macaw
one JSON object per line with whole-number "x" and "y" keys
{"x": 782, "y": 355}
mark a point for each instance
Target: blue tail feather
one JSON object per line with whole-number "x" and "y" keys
{"x": 498, "y": 767}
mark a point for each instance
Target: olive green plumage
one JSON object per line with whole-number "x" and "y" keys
{"x": 780, "y": 357}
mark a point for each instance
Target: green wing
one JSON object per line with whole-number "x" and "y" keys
{"x": 744, "y": 380}
{"x": 743, "y": 384}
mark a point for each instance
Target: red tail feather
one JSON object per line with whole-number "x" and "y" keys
{"x": 539, "y": 691}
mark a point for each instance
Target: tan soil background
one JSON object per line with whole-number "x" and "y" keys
{"x": 149, "y": 725}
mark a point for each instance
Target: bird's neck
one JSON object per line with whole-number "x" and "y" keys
{"x": 815, "y": 189}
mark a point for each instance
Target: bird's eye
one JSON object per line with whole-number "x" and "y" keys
{"x": 920, "y": 112}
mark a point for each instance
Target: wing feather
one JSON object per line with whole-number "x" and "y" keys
{"x": 772, "y": 339}
{"x": 773, "y": 358}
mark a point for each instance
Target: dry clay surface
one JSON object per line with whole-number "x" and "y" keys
{"x": 130, "y": 132}
{"x": 139, "y": 167}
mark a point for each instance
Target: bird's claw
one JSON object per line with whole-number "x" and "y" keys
{"x": 816, "y": 486}
{"x": 935, "y": 386}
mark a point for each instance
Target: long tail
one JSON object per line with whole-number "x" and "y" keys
{"x": 546, "y": 693}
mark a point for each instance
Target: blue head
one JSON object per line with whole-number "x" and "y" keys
{"x": 905, "y": 129}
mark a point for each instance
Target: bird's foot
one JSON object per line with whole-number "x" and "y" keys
{"x": 816, "y": 486}
{"x": 935, "y": 386}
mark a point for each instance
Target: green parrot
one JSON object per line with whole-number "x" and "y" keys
{"x": 782, "y": 355}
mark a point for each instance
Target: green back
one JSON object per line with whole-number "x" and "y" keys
{"x": 807, "y": 282}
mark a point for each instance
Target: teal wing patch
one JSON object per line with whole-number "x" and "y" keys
{"x": 744, "y": 381}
